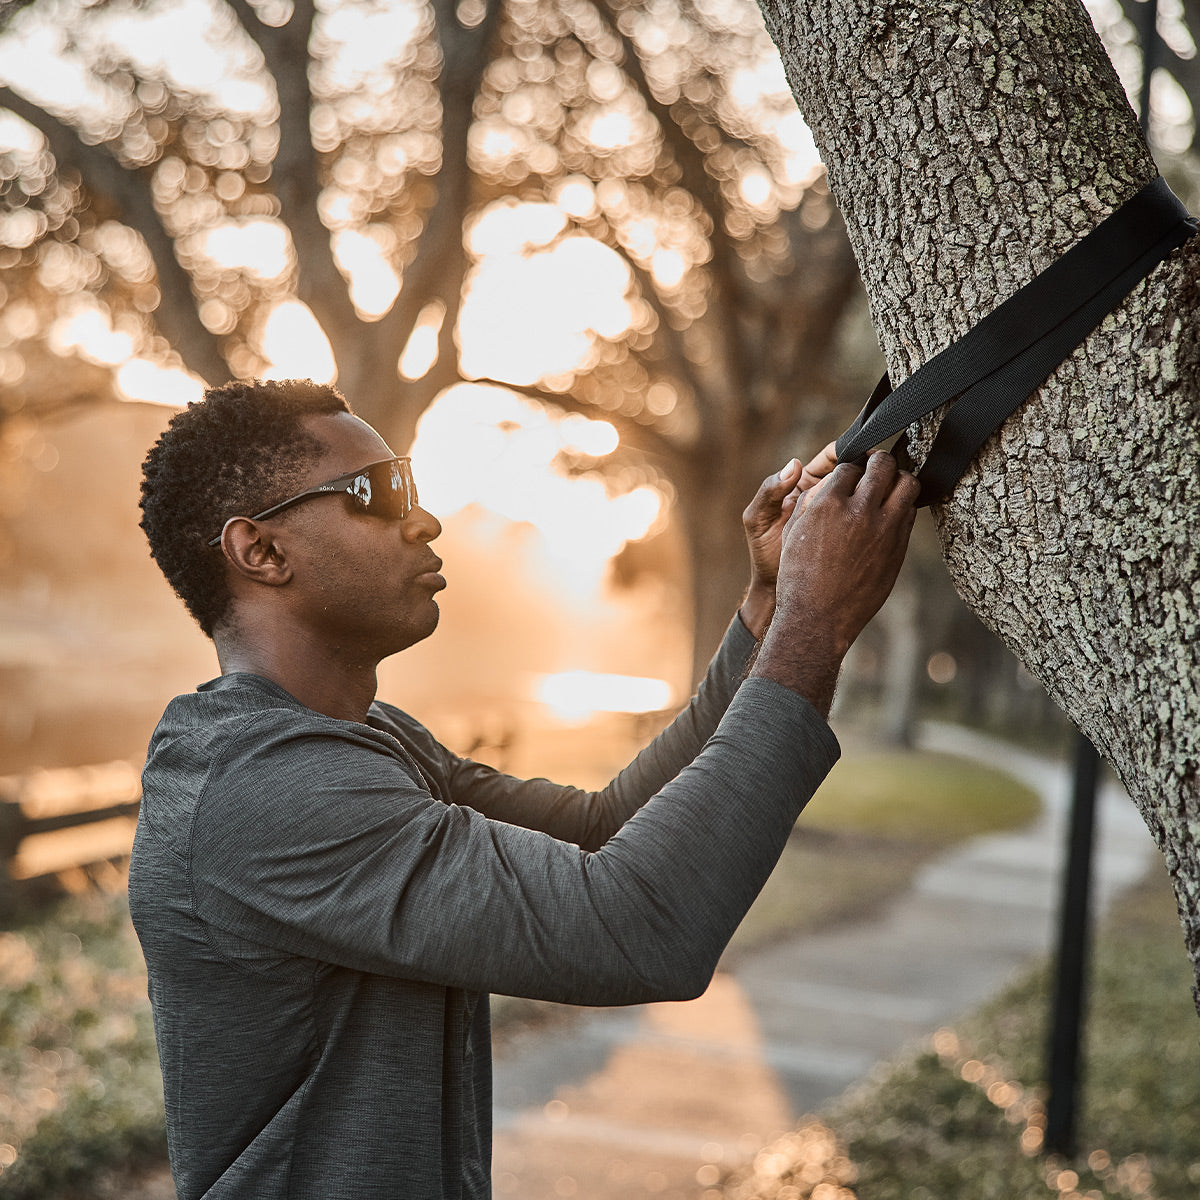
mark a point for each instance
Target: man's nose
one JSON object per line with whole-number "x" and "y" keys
{"x": 420, "y": 526}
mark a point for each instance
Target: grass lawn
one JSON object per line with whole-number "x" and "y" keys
{"x": 80, "y": 1090}
{"x": 961, "y": 1119}
{"x": 936, "y": 799}
{"x": 873, "y": 822}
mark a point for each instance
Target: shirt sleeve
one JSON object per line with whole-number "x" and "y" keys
{"x": 318, "y": 838}
{"x": 590, "y": 818}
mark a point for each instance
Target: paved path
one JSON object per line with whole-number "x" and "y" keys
{"x": 655, "y": 1101}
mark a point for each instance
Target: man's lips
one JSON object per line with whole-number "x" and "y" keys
{"x": 430, "y": 576}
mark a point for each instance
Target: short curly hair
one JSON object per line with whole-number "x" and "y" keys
{"x": 238, "y": 451}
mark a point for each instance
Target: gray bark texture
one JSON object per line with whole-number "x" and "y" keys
{"x": 969, "y": 145}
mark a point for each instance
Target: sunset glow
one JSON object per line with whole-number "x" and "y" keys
{"x": 534, "y": 304}
{"x": 295, "y": 345}
{"x": 490, "y": 448}
{"x": 574, "y": 696}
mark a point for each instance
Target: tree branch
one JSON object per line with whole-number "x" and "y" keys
{"x": 440, "y": 263}
{"x": 726, "y": 264}
{"x": 297, "y": 172}
{"x": 671, "y": 338}
{"x": 687, "y": 154}
{"x": 126, "y": 191}
{"x": 9, "y": 9}
{"x": 801, "y": 343}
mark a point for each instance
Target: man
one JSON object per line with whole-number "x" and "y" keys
{"x": 325, "y": 895}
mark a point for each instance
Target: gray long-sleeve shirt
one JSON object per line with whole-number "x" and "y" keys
{"x": 324, "y": 906}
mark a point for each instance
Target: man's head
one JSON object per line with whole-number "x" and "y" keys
{"x": 244, "y": 447}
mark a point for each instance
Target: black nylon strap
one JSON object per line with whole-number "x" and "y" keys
{"x": 993, "y": 368}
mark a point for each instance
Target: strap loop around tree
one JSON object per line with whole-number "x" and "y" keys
{"x": 990, "y": 371}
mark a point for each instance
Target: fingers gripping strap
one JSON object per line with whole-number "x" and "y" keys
{"x": 991, "y": 370}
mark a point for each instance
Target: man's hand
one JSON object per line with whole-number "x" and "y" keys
{"x": 764, "y": 521}
{"x": 818, "y": 468}
{"x": 842, "y": 548}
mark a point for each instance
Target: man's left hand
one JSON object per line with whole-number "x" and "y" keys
{"x": 763, "y": 521}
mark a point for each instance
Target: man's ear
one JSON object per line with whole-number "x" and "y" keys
{"x": 254, "y": 553}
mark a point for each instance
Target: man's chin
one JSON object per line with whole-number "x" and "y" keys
{"x": 415, "y": 632}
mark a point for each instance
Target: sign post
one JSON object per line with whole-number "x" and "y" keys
{"x": 1067, "y": 1016}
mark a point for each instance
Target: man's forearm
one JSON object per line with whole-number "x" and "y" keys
{"x": 803, "y": 658}
{"x": 758, "y": 608}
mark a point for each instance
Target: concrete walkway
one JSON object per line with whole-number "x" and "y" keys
{"x": 657, "y": 1101}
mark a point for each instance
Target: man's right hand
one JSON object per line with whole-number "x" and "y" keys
{"x": 842, "y": 550}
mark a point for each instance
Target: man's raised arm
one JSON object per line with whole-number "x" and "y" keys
{"x": 842, "y": 550}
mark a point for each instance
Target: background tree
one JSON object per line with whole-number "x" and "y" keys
{"x": 968, "y": 145}
{"x": 647, "y": 122}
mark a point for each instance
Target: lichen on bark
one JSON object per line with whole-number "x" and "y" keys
{"x": 969, "y": 145}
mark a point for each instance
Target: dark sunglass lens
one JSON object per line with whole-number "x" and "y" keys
{"x": 406, "y": 489}
{"x": 362, "y": 490}
{"x": 389, "y": 491}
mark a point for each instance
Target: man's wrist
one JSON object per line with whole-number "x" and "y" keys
{"x": 802, "y": 658}
{"x": 758, "y": 608}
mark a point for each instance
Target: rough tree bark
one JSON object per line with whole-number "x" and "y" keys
{"x": 968, "y": 145}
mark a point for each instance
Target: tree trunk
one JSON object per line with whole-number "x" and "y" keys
{"x": 900, "y": 620}
{"x": 968, "y": 146}
{"x": 710, "y": 505}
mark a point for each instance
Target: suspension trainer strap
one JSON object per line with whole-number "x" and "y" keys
{"x": 990, "y": 371}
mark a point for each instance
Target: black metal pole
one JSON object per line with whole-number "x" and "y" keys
{"x": 1147, "y": 29}
{"x": 1063, "y": 1066}
{"x": 1070, "y": 987}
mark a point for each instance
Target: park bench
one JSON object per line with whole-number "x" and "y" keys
{"x": 59, "y": 822}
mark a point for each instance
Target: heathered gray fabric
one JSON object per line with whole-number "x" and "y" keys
{"x": 324, "y": 906}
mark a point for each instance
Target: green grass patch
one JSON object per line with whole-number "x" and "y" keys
{"x": 80, "y": 1080}
{"x": 963, "y": 1124}
{"x": 868, "y": 829}
{"x": 934, "y": 798}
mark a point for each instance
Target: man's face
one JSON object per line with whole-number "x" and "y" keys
{"x": 362, "y": 584}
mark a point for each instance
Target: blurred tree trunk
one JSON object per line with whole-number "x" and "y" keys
{"x": 367, "y": 351}
{"x": 899, "y": 620}
{"x": 764, "y": 408}
{"x": 968, "y": 145}
{"x": 713, "y": 490}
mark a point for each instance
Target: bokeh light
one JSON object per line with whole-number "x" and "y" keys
{"x": 145, "y": 381}
{"x": 535, "y": 305}
{"x": 489, "y": 447}
{"x": 295, "y": 345}
{"x": 374, "y": 284}
{"x": 574, "y": 696}
{"x": 88, "y": 331}
{"x": 258, "y": 246}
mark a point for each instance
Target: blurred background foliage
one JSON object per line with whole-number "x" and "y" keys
{"x": 194, "y": 191}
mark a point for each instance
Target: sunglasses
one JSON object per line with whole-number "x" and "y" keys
{"x": 382, "y": 489}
